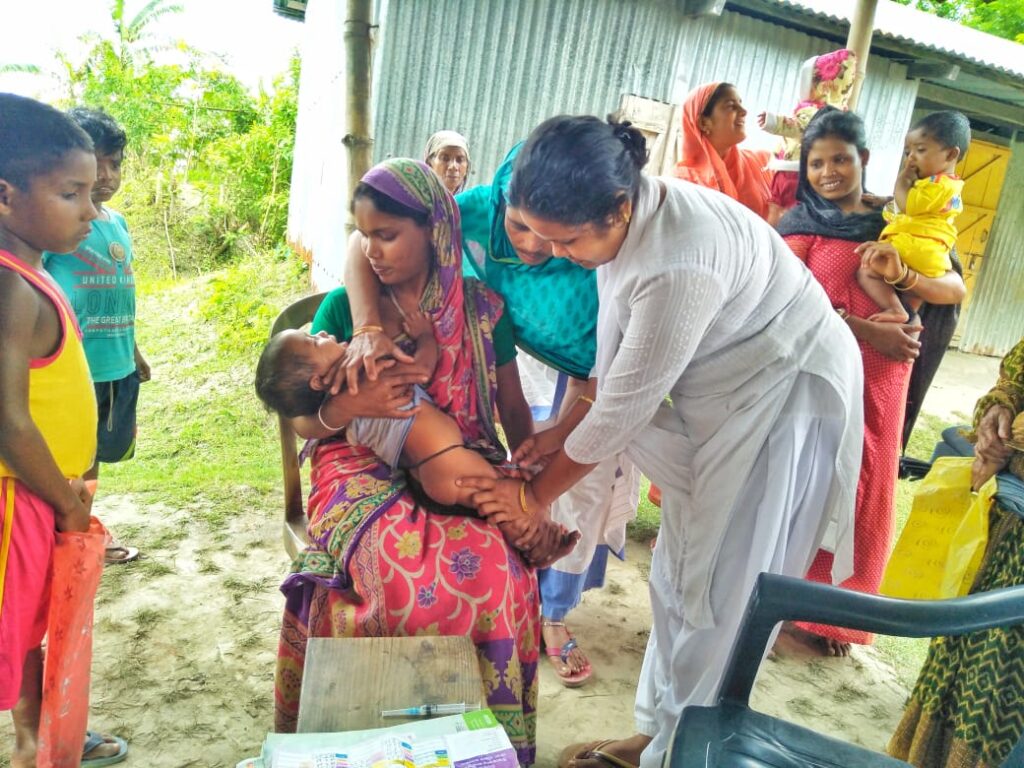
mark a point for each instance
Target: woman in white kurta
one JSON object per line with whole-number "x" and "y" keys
{"x": 726, "y": 376}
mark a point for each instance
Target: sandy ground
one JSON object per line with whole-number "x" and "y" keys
{"x": 185, "y": 639}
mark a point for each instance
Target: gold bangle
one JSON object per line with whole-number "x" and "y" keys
{"x": 585, "y": 399}
{"x": 367, "y": 329}
{"x": 917, "y": 276}
{"x": 843, "y": 314}
{"x": 522, "y": 499}
{"x": 900, "y": 279}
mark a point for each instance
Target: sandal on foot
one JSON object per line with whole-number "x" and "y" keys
{"x": 572, "y": 679}
{"x": 586, "y": 750}
{"x": 93, "y": 740}
{"x": 116, "y": 554}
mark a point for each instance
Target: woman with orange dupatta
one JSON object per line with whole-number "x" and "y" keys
{"x": 713, "y": 125}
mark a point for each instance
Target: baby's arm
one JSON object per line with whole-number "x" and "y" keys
{"x": 419, "y": 328}
{"x": 904, "y": 183}
{"x": 22, "y": 446}
{"x": 780, "y": 125}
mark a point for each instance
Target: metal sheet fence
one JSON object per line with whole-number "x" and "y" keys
{"x": 994, "y": 320}
{"x": 494, "y": 69}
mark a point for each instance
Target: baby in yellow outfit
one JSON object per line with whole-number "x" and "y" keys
{"x": 921, "y": 217}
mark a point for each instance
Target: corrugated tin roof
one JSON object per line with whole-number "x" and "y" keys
{"x": 924, "y": 30}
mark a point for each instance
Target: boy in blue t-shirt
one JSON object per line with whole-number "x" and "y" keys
{"x": 98, "y": 280}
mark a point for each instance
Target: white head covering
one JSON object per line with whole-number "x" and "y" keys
{"x": 443, "y": 139}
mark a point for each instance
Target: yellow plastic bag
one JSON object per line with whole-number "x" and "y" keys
{"x": 941, "y": 547}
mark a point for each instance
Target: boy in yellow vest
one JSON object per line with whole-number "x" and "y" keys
{"x": 47, "y": 403}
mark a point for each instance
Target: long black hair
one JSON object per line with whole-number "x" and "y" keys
{"x": 815, "y": 214}
{"x": 576, "y": 169}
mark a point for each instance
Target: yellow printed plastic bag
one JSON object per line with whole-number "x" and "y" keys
{"x": 941, "y": 546}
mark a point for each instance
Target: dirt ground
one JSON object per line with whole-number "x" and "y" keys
{"x": 185, "y": 639}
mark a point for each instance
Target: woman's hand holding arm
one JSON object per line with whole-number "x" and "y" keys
{"x": 383, "y": 398}
{"x": 538, "y": 448}
{"x": 897, "y": 341}
{"x": 991, "y": 452}
{"x": 364, "y": 294}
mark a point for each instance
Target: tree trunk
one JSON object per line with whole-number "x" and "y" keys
{"x": 357, "y": 140}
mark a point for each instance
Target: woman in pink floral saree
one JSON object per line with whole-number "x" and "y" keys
{"x": 381, "y": 563}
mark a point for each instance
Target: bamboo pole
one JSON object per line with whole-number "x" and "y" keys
{"x": 358, "y": 140}
{"x": 859, "y": 41}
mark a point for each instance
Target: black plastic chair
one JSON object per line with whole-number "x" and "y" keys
{"x": 953, "y": 443}
{"x": 296, "y": 315}
{"x": 731, "y": 735}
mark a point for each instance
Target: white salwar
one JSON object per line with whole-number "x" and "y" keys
{"x": 602, "y": 503}
{"x": 758, "y": 447}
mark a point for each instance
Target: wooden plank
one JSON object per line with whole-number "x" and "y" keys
{"x": 348, "y": 681}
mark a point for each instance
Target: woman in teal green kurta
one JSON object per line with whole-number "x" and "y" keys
{"x": 552, "y": 304}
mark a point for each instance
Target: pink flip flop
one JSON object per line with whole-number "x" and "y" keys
{"x": 574, "y": 680}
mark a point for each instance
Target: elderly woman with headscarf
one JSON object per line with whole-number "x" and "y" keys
{"x": 447, "y": 153}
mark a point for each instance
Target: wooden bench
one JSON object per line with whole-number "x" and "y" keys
{"x": 348, "y": 681}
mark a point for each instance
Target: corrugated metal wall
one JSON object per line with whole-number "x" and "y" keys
{"x": 494, "y": 69}
{"x": 995, "y": 317}
{"x": 499, "y": 68}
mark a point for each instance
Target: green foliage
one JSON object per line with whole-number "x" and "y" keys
{"x": 205, "y": 442}
{"x": 1003, "y": 18}
{"x": 241, "y": 315}
{"x": 208, "y": 164}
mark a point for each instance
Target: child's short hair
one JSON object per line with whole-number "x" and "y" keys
{"x": 948, "y": 127}
{"x": 107, "y": 136}
{"x": 34, "y": 139}
{"x": 282, "y": 380}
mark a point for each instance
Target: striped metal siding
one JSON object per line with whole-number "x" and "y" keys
{"x": 995, "y": 317}
{"x": 763, "y": 61}
{"x": 494, "y": 69}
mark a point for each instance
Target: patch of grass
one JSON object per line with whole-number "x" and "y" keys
{"x": 203, "y": 436}
{"x": 164, "y": 538}
{"x": 146, "y": 620}
{"x": 249, "y": 641}
{"x": 847, "y": 693}
{"x": 208, "y": 566}
{"x": 802, "y": 707}
{"x": 154, "y": 569}
{"x": 114, "y": 583}
{"x": 241, "y": 589}
{"x": 648, "y": 517}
